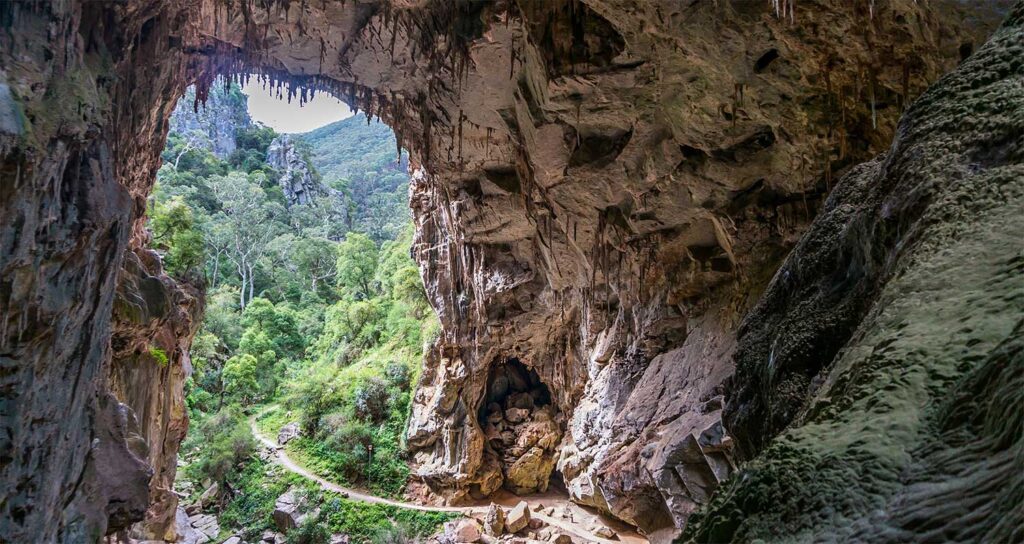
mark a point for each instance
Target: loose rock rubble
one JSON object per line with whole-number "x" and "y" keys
{"x": 522, "y": 428}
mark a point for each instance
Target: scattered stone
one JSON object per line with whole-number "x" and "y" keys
{"x": 233, "y": 540}
{"x": 339, "y": 539}
{"x": 205, "y": 524}
{"x": 539, "y": 507}
{"x": 518, "y": 518}
{"x": 287, "y": 433}
{"x": 467, "y": 531}
{"x": 209, "y": 496}
{"x": 561, "y": 538}
{"x": 193, "y": 509}
{"x": 494, "y": 521}
{"x": 268, "y": 536}
{"x": 602, "y": 531}
{"x": 536, "y": 523}
{"x": 286, "y": 512}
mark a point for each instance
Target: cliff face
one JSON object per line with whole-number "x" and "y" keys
{"x": 887, "y": 350}
{"x": 297, "y": 181}
{"x": 155, "y": 319}
{"x": 213, "y": 124}
{"x": 603, "y": 188}
{"x": 89, "y": 109}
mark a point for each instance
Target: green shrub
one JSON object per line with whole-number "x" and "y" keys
{"x": 251, "y": 508}
{"x": 364, "y": 522}
{"x": 220, "y": 443}
{"x": 311, "y": 531}
{"x": 398, "y": 375}
{"x": 372, "y": 400}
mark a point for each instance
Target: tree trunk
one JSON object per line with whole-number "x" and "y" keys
{"x": 216, "y": 268}
{"x": 252, "y": 281}
{"x": 241, "y": 294}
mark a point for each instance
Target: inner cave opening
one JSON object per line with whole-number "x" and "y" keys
{"x": 522, "y": 427}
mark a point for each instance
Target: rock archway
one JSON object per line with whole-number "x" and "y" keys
{"x": 611, "y": 185}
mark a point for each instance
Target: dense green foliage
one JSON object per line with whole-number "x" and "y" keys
{"x": 361, "y": 160}
{"x": 325, "y": 328}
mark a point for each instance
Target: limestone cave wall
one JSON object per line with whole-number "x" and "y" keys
{"x": 602, "y": 190}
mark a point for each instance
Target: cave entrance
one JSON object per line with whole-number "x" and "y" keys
{"x": 522, "y": 427}
{"x": 292, "y": 216}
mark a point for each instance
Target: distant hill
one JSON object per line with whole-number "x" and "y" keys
{"x": 362, "y": 161}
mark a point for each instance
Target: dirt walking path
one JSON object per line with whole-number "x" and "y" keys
{"x": 578, "y": 531}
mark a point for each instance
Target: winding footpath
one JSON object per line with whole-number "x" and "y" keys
{"x": 281, "y": 457}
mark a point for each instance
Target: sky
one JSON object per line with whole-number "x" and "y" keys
{"x": 284, "y": 117}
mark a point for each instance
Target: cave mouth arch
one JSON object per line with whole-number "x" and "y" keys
{"x": 522, "y": 427}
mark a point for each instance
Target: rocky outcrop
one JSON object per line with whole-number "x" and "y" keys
{"x": 213, "y": 123}
{"x": 298, "y": 180}
{"x": 155, "y": 318}
{"x": 889, "y": 346}
{"x": 602, "y": 189}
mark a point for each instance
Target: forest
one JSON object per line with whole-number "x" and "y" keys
{"x": 315, "y": 313}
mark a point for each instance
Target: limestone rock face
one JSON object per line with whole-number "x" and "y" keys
{"x": 155, "y": 319}
{"x": 297, "y": 180}
{"x": 889, "y": 344}
{"x": 602, "y": 189}
{"x": 211, "y": 124}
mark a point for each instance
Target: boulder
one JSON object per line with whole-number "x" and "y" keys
{"x": 520, "y": 400}
{"x": 187, "y": 534}
{"x": 209, "y": 496}
{"x": 602, "y": 531}
{"x": 494, "y": 521}
{"x": 233, "y": 540}
{"x": 530, "y": 472}
{"x": 518, "y": 518}
{"x": 561, "y": 538}
{"x": 287, "y": 433}
{"x": 517, "y": 415}
{"x": 467, "y": 531}
{"x": 205, "y": 524}
{"x": 286, "y": 512}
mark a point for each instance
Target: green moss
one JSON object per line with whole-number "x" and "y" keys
{"x": 159, "y": 355}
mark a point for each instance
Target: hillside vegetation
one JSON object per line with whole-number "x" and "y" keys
{"x": 361, "y": 160}
{"x": 305, "y": 322}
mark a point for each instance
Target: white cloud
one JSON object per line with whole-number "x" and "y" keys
{"x": 278, "y": 114}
